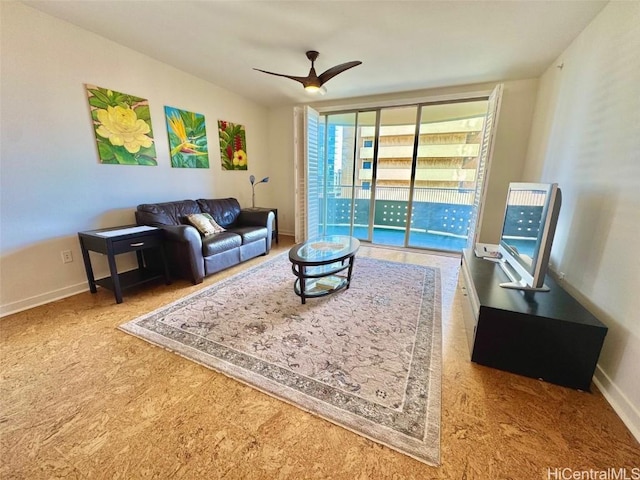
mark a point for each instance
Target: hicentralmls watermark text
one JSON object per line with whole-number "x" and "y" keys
{"x": 563, "y": 473}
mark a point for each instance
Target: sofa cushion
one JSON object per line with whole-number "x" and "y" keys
{"x": 220, "y": 242}
{"x": 250, "y": 234}
{"x": 225, "y": 211}
{"x": 205, "y": 224}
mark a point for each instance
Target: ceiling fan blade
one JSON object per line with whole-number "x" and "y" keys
{"x": 302, "y": 80}
{"x": 333, "y": 71}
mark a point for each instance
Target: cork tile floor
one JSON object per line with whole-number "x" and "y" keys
{"x": 81, "y": 399}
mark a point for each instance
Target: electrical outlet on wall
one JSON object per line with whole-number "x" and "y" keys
{"x": 67, "y": 256}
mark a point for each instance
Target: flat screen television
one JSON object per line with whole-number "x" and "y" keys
{"x": 530, "y": 219}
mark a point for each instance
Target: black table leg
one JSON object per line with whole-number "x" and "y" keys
{"x": 303, "y": 286}
{"x": 115, "y": 278}
{"x": 87, "y": 266}
{"x": 351, "y": 261}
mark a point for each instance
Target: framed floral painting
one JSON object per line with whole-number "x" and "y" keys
{"x": 122, "y": 126}
{"x": 233, "y": 146}
{"x": 187, "y": 138}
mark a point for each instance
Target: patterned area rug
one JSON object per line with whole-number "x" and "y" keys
{"x": 367, "y": 358}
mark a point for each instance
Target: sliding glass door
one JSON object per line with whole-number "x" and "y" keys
{"x": 393, "y": 167}
{"x": 347, "y": 200}
{"x": 407, "y": 176}
{"x": 338, "y": 197}
{"x": 446, "y": 168}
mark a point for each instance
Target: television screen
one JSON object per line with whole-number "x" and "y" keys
{"x": 522, "y": 222}
{"x": 531, "y": 214}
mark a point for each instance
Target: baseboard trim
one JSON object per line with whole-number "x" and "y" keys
{"x": 627, "y": 412}
{"x": 41, "y": 299}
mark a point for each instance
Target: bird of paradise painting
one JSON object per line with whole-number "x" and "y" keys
{"x": 122, "y": 126}
{"x": 233, "y": 146}
{"x": 187, "y": 138}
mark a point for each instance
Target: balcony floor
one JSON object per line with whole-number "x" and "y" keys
{"x": 395, "y": 237}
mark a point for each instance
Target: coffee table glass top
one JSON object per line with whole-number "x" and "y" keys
{"x": 325, "y": 249}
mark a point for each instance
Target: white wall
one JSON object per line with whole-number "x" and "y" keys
{"x": 586, "y": 137}
{"x": 512, "y": 136}
{"x": 49, "y": 164}
{"x": 281, "y": 166}
{"x": 52, "y": 183}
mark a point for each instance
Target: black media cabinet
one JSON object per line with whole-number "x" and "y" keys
{"x": 545, "y": 335}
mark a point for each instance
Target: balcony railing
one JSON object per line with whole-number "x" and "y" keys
{"x": 461, "y": 196}
{"x": 436, "y": 212}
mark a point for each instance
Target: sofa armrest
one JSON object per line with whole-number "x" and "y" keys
{"x": 184, "y": 246}
{"x": 258, "y": 218}
{"x": 182, "y": 233}
{"x": 182, "y": 243}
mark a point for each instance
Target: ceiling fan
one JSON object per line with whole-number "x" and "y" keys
{"x": 314, "y": 82}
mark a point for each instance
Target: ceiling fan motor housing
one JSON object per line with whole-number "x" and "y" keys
{"x": 312, "y": 55}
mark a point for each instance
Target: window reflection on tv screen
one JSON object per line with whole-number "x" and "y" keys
{"x": 522, "y": 222}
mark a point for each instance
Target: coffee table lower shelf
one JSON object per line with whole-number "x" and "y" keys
{"x": 321, "y": 286}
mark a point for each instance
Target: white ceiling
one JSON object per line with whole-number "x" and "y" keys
{"x": 404, "y": 45}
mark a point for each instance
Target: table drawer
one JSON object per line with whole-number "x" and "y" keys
{"x": 136, "y": 243}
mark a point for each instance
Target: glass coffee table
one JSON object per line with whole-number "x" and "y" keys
{"x": 323, "y": 265}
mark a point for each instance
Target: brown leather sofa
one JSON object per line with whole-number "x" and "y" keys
{"x": 247, "y": 234}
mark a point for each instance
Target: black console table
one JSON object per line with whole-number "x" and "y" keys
{"x": 545, "y": 335}
{"x": 117, "y": 240}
